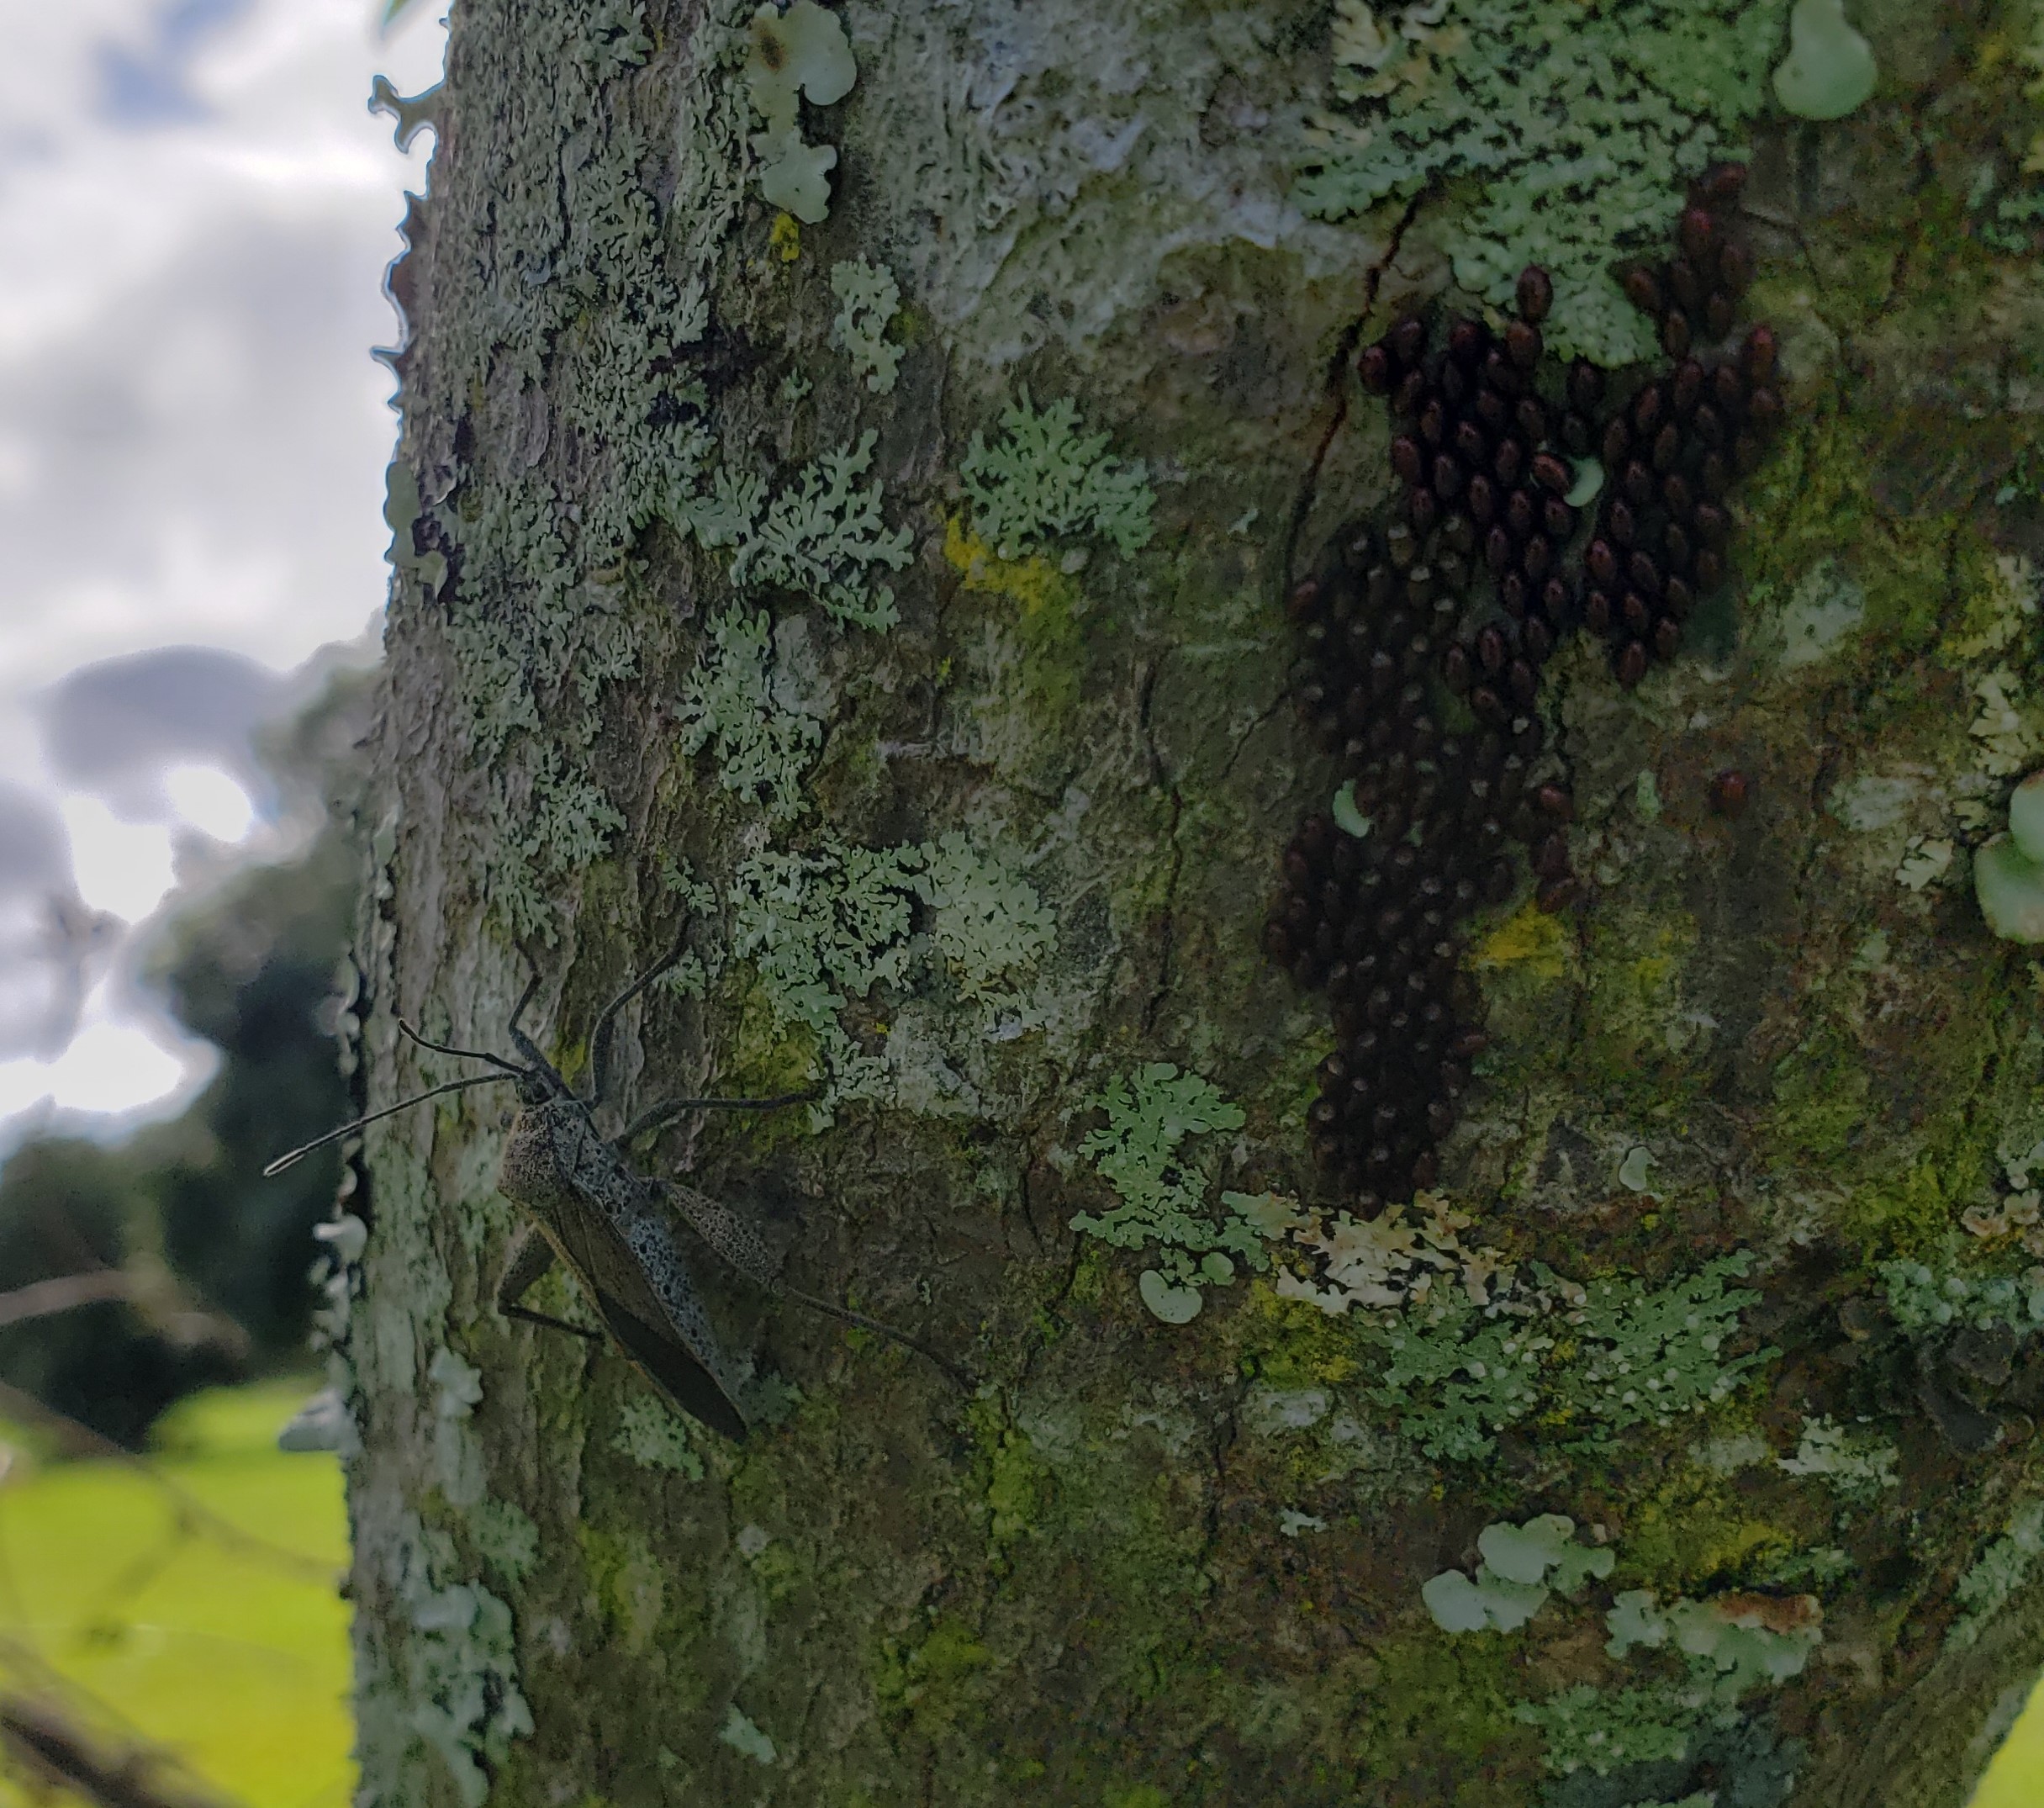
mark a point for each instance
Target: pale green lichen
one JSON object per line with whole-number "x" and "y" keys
{"x": 1830, "y": 68}
{"x": 461, "y": 1666}
{"x": 584, "y": 305}
{"x": 1649, "y": 1357}
{"x": 1599, "y": 1360}
{"x": 457, "y": 1454}
{"x": 1573, "y": 126}
{"x": 825, "y": 926}
{"x": 1522, "y": 1565}
{"x": 654, "y": 1437}
{"x": 1732, "y": 1647}
{"x": 2005, "y": 1567}
{"x": 821, "y": 536}
{"x": 1731, "y": 1644}
{"x": 2009, "y": 871}
{"x": 1043, "y": 480}
{"x": 1605, "y": 1730}
{"x": 868, "y": 299}
{"x": 1923, "y": 1299}
{"x": 741, "y": 1735}
{"x": 1162, "y": 1185}
{"x": 803, "y": 50}
{"x": 745, "y": 700}
{"x": 1858, "y": 1466}
{"x": 821, "y": 928}
{"x": 505, "y": 1538}
{"x": 988, "y": 922}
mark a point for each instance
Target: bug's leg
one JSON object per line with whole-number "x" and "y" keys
{"x": 523, "y": 1043}
{"x": 606, "y": 1020}
{"x": 654, "y": 1115}
{"x": 729, "y": 1234}
{"x": 531, "y": 1256}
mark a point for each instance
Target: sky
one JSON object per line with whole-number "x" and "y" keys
{"x": 196, "y": 210}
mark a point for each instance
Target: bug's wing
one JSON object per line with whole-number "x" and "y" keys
{"x": 723, "y": 1229}
{"x": 632, "y": 1271}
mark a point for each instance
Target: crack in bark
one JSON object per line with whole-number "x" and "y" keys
{"x": 1175, "y": 864}
{"x": 1337, "y": 389}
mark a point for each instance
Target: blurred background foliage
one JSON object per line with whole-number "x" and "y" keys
{"x": 220, "y": 1255}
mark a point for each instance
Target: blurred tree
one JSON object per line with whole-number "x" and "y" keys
{"x": 248, "y": 963}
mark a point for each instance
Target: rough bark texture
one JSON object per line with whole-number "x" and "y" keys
{"x": 976, "y": 854}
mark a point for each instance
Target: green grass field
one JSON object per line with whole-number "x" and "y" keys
{"x": 238, "y": 1662}
{"x": 235, "y": 1662}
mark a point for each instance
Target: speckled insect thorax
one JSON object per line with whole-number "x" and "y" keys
{"x": 552, "y": 1157}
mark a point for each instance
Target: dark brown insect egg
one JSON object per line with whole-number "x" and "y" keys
{"x": 1406, "y": 458}
{"x": 1718, "y": 314}
{"x": 1535, "y": 293}
{"x": 1617, "y": 442}
{"x": 1631, "y": 666}
{"x": 1643, "y": 289}
{"x": 1676, "y": 338}
{"x": 1482, "y": 500}
{"x": 1407, "y": 340}
{"x": 1375, "y": 367}
{"x": 1756, "y": 357}
{"x": 1470, "y": 442}
{"x": 1467, "y": 341}
{"x": 1686, "y": 284}
{"x": 1667, "y": 637}
{"x": 1434, "y": 421}
{"x": 1523, "y": 344}
{"x": 1696, "y": 232}
{"x": 1729, "y": 793}
{"x": 1722, "y": 183}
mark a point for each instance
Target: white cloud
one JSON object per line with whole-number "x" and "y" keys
{"x": 111, "y": 1066}
{"x": 210, "y": 801}
{"x": 196, "y": 208}
{"x": 127, "y": 868}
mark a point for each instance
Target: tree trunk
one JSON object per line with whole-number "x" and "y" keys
{"x": 890, "y": 496}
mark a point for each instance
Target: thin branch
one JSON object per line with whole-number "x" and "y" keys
{"x": 55, "y": 1753}
{"x": 43, "y": 1299}
{"x": 81, "y": 1440}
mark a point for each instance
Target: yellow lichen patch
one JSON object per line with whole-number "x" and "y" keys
{"x": 786, "y": 238}
{"x": 1530, "y": 938}
{"x": 1048, "y": 603}
{"x": 1034, "y": 584}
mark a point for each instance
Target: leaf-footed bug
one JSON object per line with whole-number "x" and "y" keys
{"x": 589, "y": 1209}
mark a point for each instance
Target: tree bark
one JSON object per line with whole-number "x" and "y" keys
{"x": 758, "y": 579}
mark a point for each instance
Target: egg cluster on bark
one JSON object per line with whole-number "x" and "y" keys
{"x": 1423, "y": 642}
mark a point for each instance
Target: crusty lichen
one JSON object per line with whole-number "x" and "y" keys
{"x": 868, "y": 300}
{"x": 1043, "y": 480}
{"x": 1578, "y": 123}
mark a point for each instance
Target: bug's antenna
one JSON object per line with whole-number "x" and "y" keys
{"x": 956, "y": 1376}
{"x": 599, "y": 1036}
{"x": 669, "y": 1109}
{"x": 281, "y": 1162}
{"x": 473, "y": 1055}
